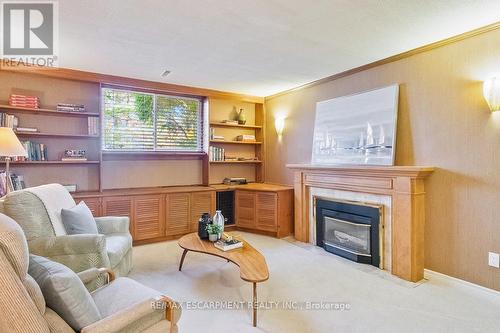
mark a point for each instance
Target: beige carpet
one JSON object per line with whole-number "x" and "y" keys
{"x": 303, "y": 273}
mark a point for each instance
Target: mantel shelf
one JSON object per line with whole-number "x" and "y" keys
{"x": 367, "y": 170}
{"x": 47, "y": 112}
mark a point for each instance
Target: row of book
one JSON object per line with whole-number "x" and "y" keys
{"x": 216, "y": 154}
{"x": 70, "y": 107}
{"x": 24, "y": 101}
{"x": 36, "y": 151}
{"x": 8, "y": 120}
{"x": 93, "y": 124}
{"x": 14, "y": 183}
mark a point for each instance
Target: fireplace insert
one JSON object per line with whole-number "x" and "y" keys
{"x": 350, "y": 230}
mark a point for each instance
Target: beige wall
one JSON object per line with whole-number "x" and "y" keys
{"x": 443, "y": 122}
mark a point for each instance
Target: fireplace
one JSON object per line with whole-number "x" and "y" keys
{"x": 351, "y": 230}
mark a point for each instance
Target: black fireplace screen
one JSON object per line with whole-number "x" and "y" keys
{"x": 349, "y": 230}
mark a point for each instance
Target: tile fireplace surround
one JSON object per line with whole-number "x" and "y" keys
{"x": 400, "y": 189}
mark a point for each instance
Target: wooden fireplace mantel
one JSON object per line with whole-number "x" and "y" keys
{"x": 405, "y": 185}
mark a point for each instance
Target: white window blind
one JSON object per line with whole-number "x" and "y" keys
{"x": 137, "y": 121}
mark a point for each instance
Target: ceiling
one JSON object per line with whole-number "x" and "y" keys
{"x": 257, "y": 47}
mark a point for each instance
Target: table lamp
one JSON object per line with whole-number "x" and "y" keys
{"x": 10, "y": 146}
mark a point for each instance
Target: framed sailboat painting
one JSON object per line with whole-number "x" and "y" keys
{"x": 358, "y": 129}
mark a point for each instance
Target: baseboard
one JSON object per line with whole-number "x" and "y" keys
{"x": 428, "y": 274}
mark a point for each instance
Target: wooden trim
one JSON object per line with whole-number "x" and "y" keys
{"x": 393, "y": 58}
{"x": 77, "y": 75}
{"x": 367, "y": 170}
{"x": 47, "y": 112}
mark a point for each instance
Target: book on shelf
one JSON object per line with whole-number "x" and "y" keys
{"x": 93, "y": 126}
{"x": 230, "y": 122}
{"x": 35, "y": 151}
{"x": 215, "y": 154}
{"x": 218, "y": 138}
{"x": 246, "y": 138}
{"x": 228, "y": 244}
{"x": 74, "y": 159}
{"x": 65, "y": 107}
{"x": 8, "y": 120}
{"x": 26, "y": 130}
{"x": 24, "y": 101}
{"x": 14, "y": 183}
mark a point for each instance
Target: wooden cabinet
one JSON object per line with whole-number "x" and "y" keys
{"x": 148, "y": 216}
{"x": 200, "y": 202}
{"x": 94, "y": 205}
{"x": 118, "y": 206}
{"x": 267, "y": 211}
{"x": 245, "y": 209}
{"x": 178, "y": 213}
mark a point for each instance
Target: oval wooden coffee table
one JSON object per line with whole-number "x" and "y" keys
{"x": 252, "y": 264}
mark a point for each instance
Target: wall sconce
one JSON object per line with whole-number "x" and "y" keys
{"x": 279, "y": 124}
{"x": 491, "y": 92}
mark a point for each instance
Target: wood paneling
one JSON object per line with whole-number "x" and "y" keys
{"x": 178, "y": 214}
{"x": 443, "y": 121}
{"x": 119, "y": 206}
{"x": 149, "y": 217}
{"x": 202, "y": 202}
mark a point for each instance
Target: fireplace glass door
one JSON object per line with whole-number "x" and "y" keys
{"x": 347, "y": 236}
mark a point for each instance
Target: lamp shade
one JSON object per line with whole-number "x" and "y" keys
{"x": 9, "y": 143}
{"x": 491, "y": 92}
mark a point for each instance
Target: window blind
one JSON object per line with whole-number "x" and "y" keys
{"x": 137, "y": 121}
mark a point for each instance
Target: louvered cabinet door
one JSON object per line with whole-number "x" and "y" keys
{"x": 118, "y": 206}
{"x": 177, "y": 214}
{"x": 148, "y": 217}
{"x": 266, "y": 211}
{"x": 94, "y": 205}
{"x": 245, "y": 209}
{"x": 201, "y": 202}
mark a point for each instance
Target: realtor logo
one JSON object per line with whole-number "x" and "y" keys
{"x": 30, "y": 34}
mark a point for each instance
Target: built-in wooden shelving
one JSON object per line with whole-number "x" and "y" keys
{"x": 236, "y": 162}
{"x": 47, "y": 112}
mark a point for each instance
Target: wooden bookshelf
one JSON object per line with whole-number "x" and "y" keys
{"x": 253, "y": 170}
{"x": 46, "y": 112}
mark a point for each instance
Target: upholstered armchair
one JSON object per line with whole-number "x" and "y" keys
{"x": 122, "y": 305}
{"x": 38, "y": 211}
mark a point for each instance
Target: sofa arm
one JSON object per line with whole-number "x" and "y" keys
{"x": 112, "y": 224}
{"x": 93, "y": 273}
{"x": 119, "y": 321}
{"x": 78, "y": 252}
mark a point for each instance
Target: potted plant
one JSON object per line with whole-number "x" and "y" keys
{"x": 213, "y": 232}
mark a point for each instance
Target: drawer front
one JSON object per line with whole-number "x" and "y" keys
{"x": 177, "y": 213}
{"x": 267, "y": 211}
{"x": 94, "y": 205}
{"x": 245, "y": 209}
{"x": 148, "y": 217}
{"x": 202, "y": 202}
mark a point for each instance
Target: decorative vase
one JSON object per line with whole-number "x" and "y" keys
{"x": 219, "y": 220}
{"x": 213, "y": 237}
{"x": 242, "y": 120}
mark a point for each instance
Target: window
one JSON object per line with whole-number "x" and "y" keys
{"x": 138, "y": 121}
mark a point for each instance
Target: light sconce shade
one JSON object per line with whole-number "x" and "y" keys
{"x": 9, "y": 143}
{"x": 279, "y": 124}
{"x": 491, "y": 92}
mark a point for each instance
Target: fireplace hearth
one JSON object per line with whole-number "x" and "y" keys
{"x": 351, "y": 230}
